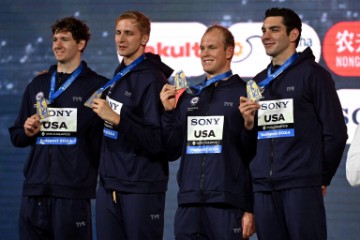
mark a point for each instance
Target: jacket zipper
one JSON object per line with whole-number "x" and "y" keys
{"x": 49, "y": 167}
{"x": 202, "y": 166}
{"x": 271, "y": 162}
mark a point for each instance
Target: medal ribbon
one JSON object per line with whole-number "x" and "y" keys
{"x": 271, "y": 76}
{"x": 196, "y": 89}
{"x": 111, "y": 82}
{"x": 53, "y": 95}
{"x": 123, "y": 72}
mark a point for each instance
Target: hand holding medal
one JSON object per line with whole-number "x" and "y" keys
{"x": 253, "y": 91}
{"x": 181, "y": 84}
{"x": 95, "y": 95}
{"x": 41, "y": 108}
{"x": 180, "y": 80}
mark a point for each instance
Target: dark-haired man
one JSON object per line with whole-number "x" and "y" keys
{"x": 301, "y": 135}
{"x": 64, "y": 136}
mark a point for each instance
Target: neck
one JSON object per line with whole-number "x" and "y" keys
{"x": 68, "y": 67}
{"x": 279, "y": 60}
{"x": 129, "y": 60}
{"x": 211, "y": 75}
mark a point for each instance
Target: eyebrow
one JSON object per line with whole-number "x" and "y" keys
{"x": 124, "y": 30}
{"x": 271, "y": 27}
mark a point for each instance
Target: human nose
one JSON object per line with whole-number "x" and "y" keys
{"x": 57, "y": 43}
{"x": 204, "y": 52}
{"x": 120, "y": 37}
{"x": 265, "y": 35}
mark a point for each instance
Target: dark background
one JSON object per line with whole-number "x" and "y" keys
{"x": 25, "y": 48}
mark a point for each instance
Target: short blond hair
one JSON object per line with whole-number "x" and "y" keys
{"x": 142, "y": 21}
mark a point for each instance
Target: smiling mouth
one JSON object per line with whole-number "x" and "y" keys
{"x": 207, "y": 60}
{"x": 59, "y": 52}
{"x": 268, "y": 44}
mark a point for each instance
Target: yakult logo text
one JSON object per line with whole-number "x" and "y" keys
{"x": 187, "y": 50}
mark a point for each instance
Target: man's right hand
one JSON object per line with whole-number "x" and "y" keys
{"x": 247, "y": 109}
{"x": 167, "y": 96}
{"x": 32, "y": 125}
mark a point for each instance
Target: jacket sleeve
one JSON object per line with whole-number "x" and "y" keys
{"x": 17, "y": 132}
{"x": 145, "y": 131}
{"x": 249, "y": 142}
{"x": 249, "y": 207}
{"x": 353, "y": 160}
{"x": 172, "y": 134}
{"x": 328, "y": 107}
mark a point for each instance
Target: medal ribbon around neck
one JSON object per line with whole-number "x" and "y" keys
{"x": 112, "y": 81}
{"x": 53, "y": 95}
{"x": 271, "y": 76}
{"x": 197, "y": 89}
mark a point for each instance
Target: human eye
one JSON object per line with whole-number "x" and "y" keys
{"x": 275, "y": 29}
{"x": 129, "y": 33}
